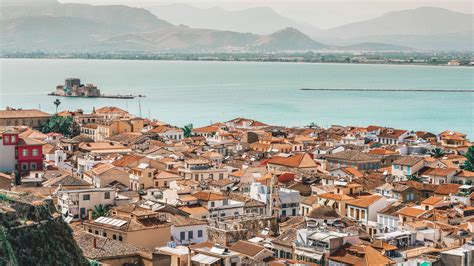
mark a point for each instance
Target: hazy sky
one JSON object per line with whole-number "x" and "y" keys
{"x": 321, "y": 13}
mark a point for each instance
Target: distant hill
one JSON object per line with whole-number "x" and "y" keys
{"x": 183, "y": 38}
{"x": 258, "y": 20}
{"x": 419, "y": 21}
{"x": 375, "y": 46}
{"x": 46, "y": 25}
{"x": 422, "y": 28}
{"x": 180, "y": 38}
{"x": 49, "y": 25}
{"x": 287, "y": 39}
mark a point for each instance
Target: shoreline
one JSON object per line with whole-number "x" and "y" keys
{"x": 390, "y": 90}
{"x": 240, "y": 61}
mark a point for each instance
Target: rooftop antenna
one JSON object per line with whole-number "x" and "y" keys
{"x": 149, "y": 116}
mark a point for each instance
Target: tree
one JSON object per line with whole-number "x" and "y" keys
{"x": 469, "y": 163}
{"x": 437, "y": 152}
{"x": 100, "y": 210}
{"x": 188, "y": 130}
{"x": 58, "y": 124}
{"x": 413, "y": 178}
{"x": 57, "y": 102}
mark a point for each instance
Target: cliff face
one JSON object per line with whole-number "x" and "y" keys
{"x": 33, "y": 233}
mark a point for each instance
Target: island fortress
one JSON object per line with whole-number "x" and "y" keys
{"x": 73, "y": 87}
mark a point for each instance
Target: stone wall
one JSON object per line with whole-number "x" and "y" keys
{"x": 228, "y": 232}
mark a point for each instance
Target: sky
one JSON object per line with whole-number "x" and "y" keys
{"x": 320, "y": 13}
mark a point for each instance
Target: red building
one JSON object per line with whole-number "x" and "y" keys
{"x": 20, "y": 154}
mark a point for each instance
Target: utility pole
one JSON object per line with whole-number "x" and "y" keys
{"x": 140, "y": 106}
{"x": 271, "y": 196}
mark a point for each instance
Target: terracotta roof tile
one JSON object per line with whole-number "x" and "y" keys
{"x": 365, "y": 201}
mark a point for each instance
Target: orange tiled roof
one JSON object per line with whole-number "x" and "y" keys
{"x": 411, "y": 212}
{"x": 336, "y": 197}
{"x": 440, "y": 171}
{"x": 465, "y": 173}
{"x": 208, "y": 129}
{"x": 299, "y": 160}
{"x": 22, "y": 113}
{"x": 447, "y": 189}
{"x": 432, "y": 200}
{"x": 208, "y": 196}
{"x": 127, "y": 160}
{"x": 365, "y": 201}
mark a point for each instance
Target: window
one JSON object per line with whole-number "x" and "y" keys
{"x": 120, "y": 238}
{"x": 90, "y": 230}
{"x": 96, "y": 232}
{"x": 34, "y": 152}
{"x": 24, "y": 166}
{"x": 33, "y": 166}
{"x": 114, "y": 237}
{"x": 225, "y": 202}
{"x": 199, "y": 233}
{"x": 211, "y": 176}
{"x": 221, "y": 176}
{"x": 7, "y": 139}
{"x": 182, "y": 236}
{"x": 24, "y": 153}
{"x": 213, "y": 204}
{"x": 86, "y": 197}
{"x": 104, "y": 234}
{"x": 107, "y": 195}
{"x": 190, "y": 235}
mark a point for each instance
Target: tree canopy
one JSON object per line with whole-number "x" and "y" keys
{"x": 188, "y": 130}
{"x": 58, "y": 124}
{"x": 469, "y": 163}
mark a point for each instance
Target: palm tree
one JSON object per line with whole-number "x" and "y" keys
{"x": 437, "y": 152}
{"x": 188, "y": 130}
{"x": 100, "y": 210}
{"x": 57, "y": 102}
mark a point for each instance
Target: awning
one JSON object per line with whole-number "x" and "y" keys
{"x": 68, "y": 219}
{"x": 64, "y": 211}
{"x": 322, "y": 201}
{"x": 330, "y": 203}
{"x": 311, "y": 255}
{"x": 201, "y": 258}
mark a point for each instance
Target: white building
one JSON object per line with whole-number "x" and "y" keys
{"x": 286, "y": 201}
{"x": 364, "y": 209}
{"x": 219, "y": 205}
{"x": 77, "y": 203}
{"x": 201, "y": 169}
{"x": 188, "y": 231}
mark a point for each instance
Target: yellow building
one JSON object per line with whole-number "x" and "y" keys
{"x": 133, "y": 225}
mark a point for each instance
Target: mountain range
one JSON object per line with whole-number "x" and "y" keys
{"x": 48, "y": 25}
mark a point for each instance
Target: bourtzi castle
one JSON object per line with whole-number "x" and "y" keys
{"x": 73, "y": 87}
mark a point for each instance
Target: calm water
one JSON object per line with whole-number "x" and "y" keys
{"x": 204, "y": 92}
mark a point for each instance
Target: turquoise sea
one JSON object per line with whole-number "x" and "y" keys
{"x": 203, "y": 92}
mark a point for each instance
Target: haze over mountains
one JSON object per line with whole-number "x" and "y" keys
{"x": 51, "y": 26}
